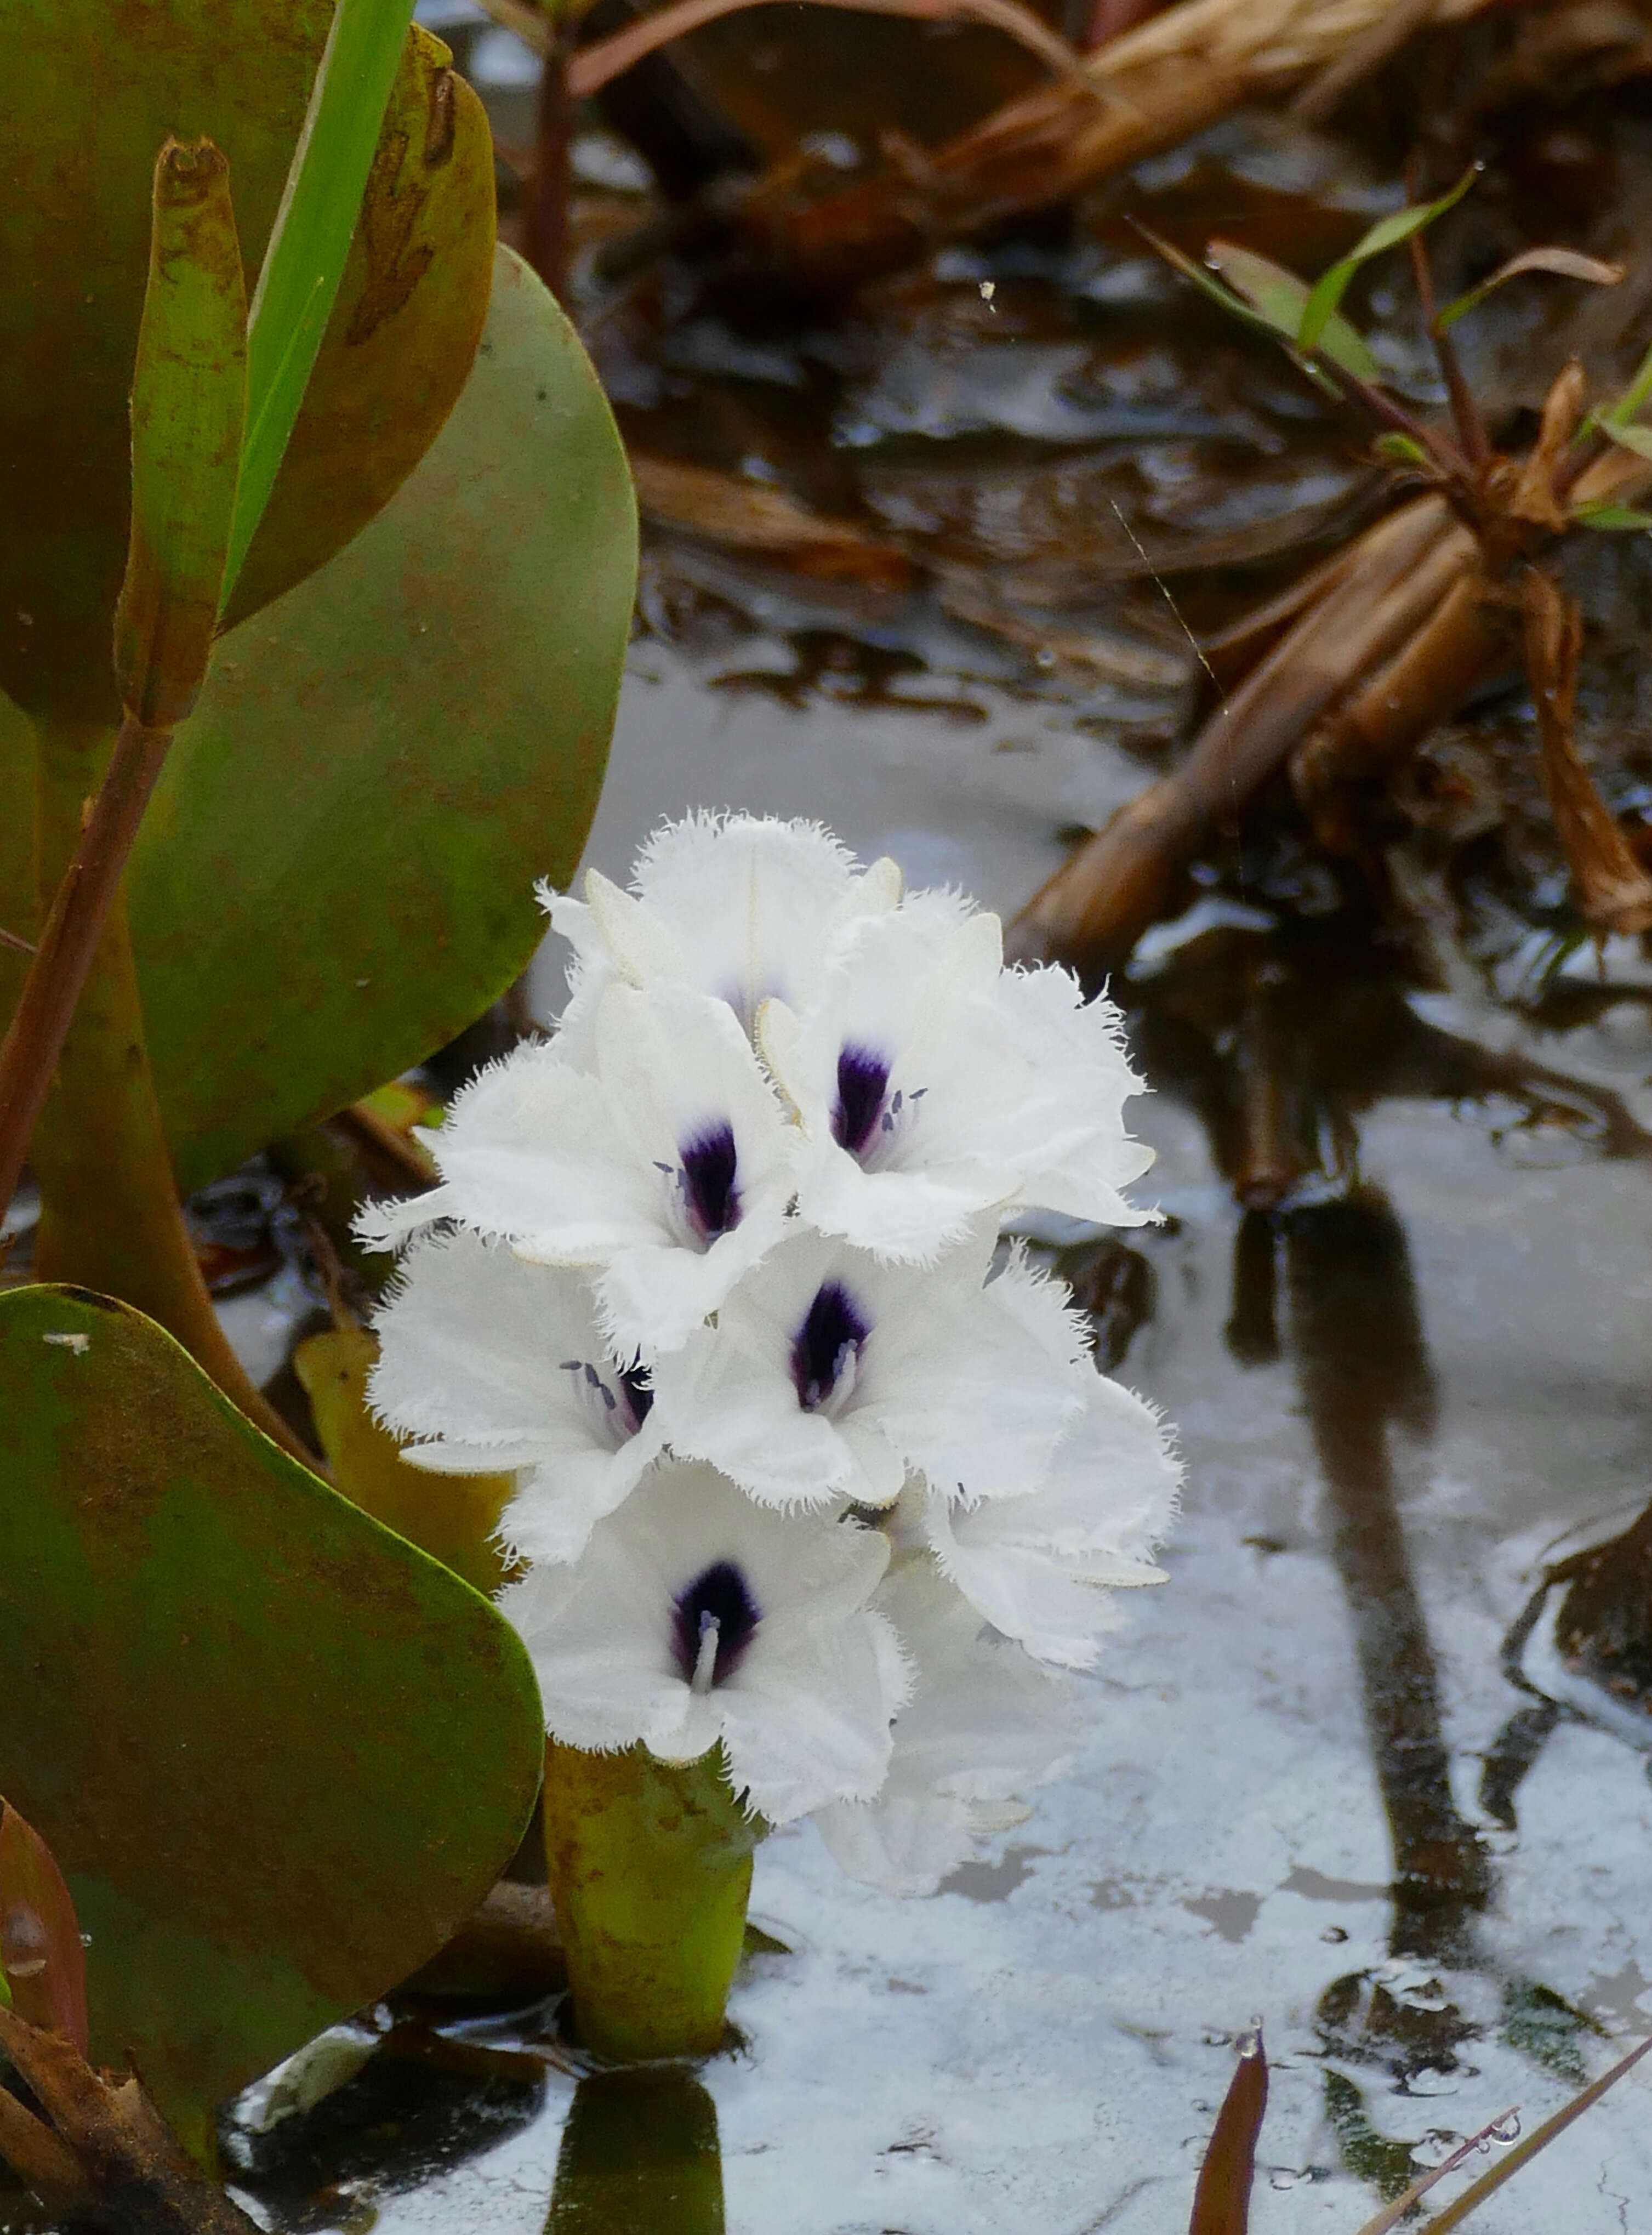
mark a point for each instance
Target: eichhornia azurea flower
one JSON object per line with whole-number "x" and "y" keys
{"x": 808, "y": 1466}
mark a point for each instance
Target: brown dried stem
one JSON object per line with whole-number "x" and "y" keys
{"x": 1098, "y": 903}
{"x": 1613, "y": 892}
{"x": 596, "y": 66}
{"x": 34, "y": 1038}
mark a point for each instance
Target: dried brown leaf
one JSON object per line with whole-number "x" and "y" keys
{"x": 1613, "y": 893}
{"x": 1221, "y": 2201}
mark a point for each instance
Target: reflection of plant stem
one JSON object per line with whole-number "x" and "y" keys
{"x": 110, "y": 1219}
{"x": 1362, "y": 1364}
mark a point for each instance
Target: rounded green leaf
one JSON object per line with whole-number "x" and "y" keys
{"x": 278, "y": 1752}
{"x": 94, "y": 88}
{"x": 336, "y": 874}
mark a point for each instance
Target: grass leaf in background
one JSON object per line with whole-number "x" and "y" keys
{"x": 278, "y": 1752}
{"x": 1388, "y": 233}
{"x": 189, "y": 411}
{"x": 305, "y": 261}
{"x": 336, "y": 874}
{"x": 43, "y": 1963}
{"x": 1221, "y": 2201}
{"x": 1279, "y": 296}
{"x": 1566, "y": 262}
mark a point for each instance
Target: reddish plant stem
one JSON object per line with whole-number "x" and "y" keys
{"x": 34, "y": 1038}
{"x": 545, "y": 239}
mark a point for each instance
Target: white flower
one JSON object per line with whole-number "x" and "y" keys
{"x": 1042, "y": 1569}
{"x": 983, "y": 1726}
{"x": 695, "y": 1617}
{"x": 832, "y": 1374}
{"x": 932, "y": 1084}
{"x": 740, "y": 906}
{"x": 664, "y": 1170}
{"x": 498, "y": 1366}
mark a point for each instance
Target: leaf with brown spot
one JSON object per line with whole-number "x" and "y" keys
{"x": 278, "y": 1752}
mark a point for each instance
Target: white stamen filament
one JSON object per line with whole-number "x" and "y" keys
{"x": 705, "y": 1659}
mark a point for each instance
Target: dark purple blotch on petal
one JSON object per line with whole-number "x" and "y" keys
{"x": 863, "y": 1081}
{"x": 707, "y": 1180}
{"x": 719, "y": 1594}
{"x": 827, "y": 1345}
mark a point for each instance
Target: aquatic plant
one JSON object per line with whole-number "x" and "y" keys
{"x": 815, "y": 1486}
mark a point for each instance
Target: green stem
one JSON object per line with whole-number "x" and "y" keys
{"x": 110, "y": 1219}
{"x": 650, "y": 1866}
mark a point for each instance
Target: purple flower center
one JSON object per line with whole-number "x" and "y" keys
{"x": 707, "y": 1177}
{"x": 621, "y": 1405}
{"x": 717, "y": 1605}
{"x": 827, "y": 1348}
{"x": 863, "y": 1081}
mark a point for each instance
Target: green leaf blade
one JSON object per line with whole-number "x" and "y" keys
{"x": 1280, "y": 298}
{"x": 1326, "y": 293}
{"x": 305, "y": 262}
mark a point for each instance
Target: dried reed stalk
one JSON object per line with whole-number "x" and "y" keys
{"x": 1150, "y": 87}
{"x": 1415, "y": 616}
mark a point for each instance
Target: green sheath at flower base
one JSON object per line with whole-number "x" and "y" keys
{"x": 650, "y": 1866}
{"x": 188, "y": 406}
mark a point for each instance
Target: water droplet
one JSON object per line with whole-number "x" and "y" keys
{"x": 1334, "y": 1934}
{"x": 1506, "y": 2130}
{"x": 1284, "y": 2178}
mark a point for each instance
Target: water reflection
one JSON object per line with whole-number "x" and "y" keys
{"x": 639, "y": 2156}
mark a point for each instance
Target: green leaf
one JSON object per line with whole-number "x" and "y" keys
{"x": 1330, "y": 287}
{"x": 336, "y": 872}
{"x": 1638, "y": 439}
{"x": 43, "y": 1963}
{"x": 1565, "y": 263}
{"x": 1280, "y": 296}
{"x": 1402, "y": 449}
{"x": 75, "y": 225}
{"x": 188, "y": 406}
{"x": 1616, "y": 519}
{"x": 1634, "y": 396}
{"x": 278, "y": 1752}
{"x": 305, "y": 261}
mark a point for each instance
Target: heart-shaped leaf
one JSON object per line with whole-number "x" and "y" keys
{"x": 278, "y": 1752}
{"x": 93, "y": 87}
{"x": 336, "y": 874}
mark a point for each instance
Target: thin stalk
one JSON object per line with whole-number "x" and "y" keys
{"x": 110, "y": 1218}
{"x": 1465, "y": 412}
{"x": 74, "y": 925}
{"x": 545, "y": 234}
{"x": 1489, "y": 2182}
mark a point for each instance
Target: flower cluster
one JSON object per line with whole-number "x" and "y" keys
{"x": 806, "y": 1465}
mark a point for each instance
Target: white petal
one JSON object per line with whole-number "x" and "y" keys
{"x": 804, "y": 1714}
{"x": 983, "y": 1726}
{"x": 1042, "y": 1569}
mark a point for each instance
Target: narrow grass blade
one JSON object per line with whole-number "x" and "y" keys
{"x": 1565, "y": 263}
{"x": 1492, "y": 2179}
{"x": 305, "y": 258}
{"x": 1280, "y": 298}
{"x": 1329, "y": 288}
{"x": 189, "y": 408}
{"x": 1221, "y": 2201}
